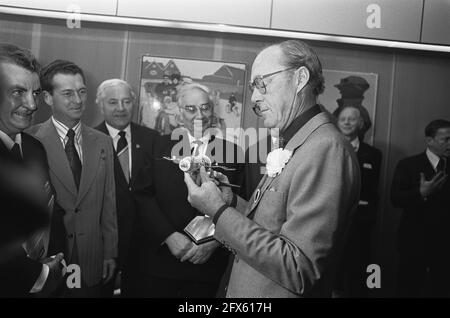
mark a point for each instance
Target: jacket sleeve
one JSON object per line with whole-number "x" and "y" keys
{"x": 109, "y": 213}
{"x": 405, "y": 189}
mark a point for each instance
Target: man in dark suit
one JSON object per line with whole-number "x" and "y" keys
{"x": 176, "y": 266}
{"x": 82, "y": 171}
{"x": 29, "y": 271}
{"x": 357, "y": 252}
{"x": 421, "y": 188}
{"x": 133, "y": 158}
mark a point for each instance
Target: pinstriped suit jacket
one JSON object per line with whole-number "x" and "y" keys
{"x": 90, "y": 217}
{"x": 288, "y": 247}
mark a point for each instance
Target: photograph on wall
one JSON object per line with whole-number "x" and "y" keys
{"x": 162, "y": 77}
{"x": 344, "y": 88}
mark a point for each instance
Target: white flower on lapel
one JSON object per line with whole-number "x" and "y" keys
{"x": 276, "y": 160}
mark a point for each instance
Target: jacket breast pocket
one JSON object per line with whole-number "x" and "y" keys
{"x": 271, "y": 210}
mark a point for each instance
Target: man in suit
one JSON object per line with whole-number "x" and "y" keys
{"x": 352, "y": 274}
{"x": 28, "y": 271}
{"x": 82, "y": 172}
{"x": 133, "y": 157}
{"x": 176, "y": 266}
{"x": 421, "y": 188}
{"x": 287, "y": 237}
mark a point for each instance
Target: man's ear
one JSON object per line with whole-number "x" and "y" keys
{"x": 302, "y": 78}
{"x": 429, "y": 140}
{"x": 48, "y": 98}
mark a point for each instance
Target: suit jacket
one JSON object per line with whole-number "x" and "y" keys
{"x": 424, "y": 224}
{"x": 132, "y": 214}
{"x": 90, "y": 216}
{"x": 287, "y": 239}
{"x": 171, "y": 194}
{"x": 20, "y": 274}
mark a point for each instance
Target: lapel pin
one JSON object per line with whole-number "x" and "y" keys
{"x": 257, "y": 194}
{"x": 138, "y": 146}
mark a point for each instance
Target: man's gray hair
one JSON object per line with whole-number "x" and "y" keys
{"x": 112, "y": 83}
{"x": 296, "y": 54}
{"x": 188, "y": 87}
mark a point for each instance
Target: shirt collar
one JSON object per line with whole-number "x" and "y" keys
{"x": 433, "y": 158}
{"x": 355, "y": 143}
{"x": 113, "y": 132}
{"x": 205, "y": 138}
{"x": 298, "y": 123}
{"x": 9, "y": 143}
{"x": 63, "y": 129}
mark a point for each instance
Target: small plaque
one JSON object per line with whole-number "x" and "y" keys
{"x": 200, "y": 229}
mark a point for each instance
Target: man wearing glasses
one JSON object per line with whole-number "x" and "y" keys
{"x": 177, "y": 267}
{"x": 287, "y": 237}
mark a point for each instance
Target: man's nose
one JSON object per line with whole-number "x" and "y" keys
{"x": 256, "y": 95}
{"x": 30, "y": 102}
{"x": 120, "y": 106}
{"x": 77, "y": 98}
{"x": 199, "y": 114}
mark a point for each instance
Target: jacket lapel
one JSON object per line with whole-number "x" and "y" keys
{"x": 91, "y": 158}
{"x": 296, "y": 141}
{"x": 136, "y": 154}
{"x": 57, "y": 158}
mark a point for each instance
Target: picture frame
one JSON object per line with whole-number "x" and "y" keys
{"x": 347, "y": 88}
{"x": 162, "y": 76}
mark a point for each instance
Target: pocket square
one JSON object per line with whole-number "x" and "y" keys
{"x": 367, "y": 165}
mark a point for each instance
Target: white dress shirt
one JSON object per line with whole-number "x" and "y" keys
{"x": 114, "y": 133}
{"x": 433, "y": 158}
{"x": 9, "y": 143}
{"x": 62, "y": 130}
{"x": 355, "y": 144}
{"x": 203, "y": 147}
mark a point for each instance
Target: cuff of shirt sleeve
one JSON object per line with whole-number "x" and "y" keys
{"x": 40, "y": 282}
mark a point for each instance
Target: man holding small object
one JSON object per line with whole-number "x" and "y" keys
{"x": 178, "y": 267}
{"x": 288, "y": 237}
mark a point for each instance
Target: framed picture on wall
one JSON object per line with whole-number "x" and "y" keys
{"x": 351, "y": 88}
{"x": 162, "y": 77}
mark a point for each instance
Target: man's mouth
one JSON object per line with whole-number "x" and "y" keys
{"x": 23, "y": 114}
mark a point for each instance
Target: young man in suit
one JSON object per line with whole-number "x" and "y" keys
{"x": 82, "y": 172}
{"x": 421, "y": 188}
{"x": 176, "y": 266}
{"x": 287, "y": 238}
{"x": 28, "y": 271}
{"x": 137, "y": 212}
{"x": 352, "y": 274}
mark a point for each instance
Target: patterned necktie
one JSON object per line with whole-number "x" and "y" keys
{"x": 72, "y": 156}
{"x": 122, "y": 154}
{"x": 15, "y": 151}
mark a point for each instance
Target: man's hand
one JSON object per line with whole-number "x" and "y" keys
{"x": 179, "y": 244}
{"x": 55, "y": 274}
{"x": 227, "y": 193}
{"x": 427, "y": 188}
{"x": 109, "y": 267}
{"x": 199, "y": 254}
{"x": 206, "y": 198}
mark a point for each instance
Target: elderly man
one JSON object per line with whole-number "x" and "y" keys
{"x": 357, "y": 252}
{"x": 137, "y": 212}
{"x": 82, "y": 171}
{"x": 421, "y": 188}
{"x": 28, "y": 271}
{"x": 177, "y": 267}
{"x": 287, "y": 238}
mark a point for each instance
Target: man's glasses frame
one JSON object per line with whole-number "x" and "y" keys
{"x": 192, "y": 109}
{"x": 259, "y": 83}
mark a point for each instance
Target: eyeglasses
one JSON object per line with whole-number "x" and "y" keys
{"x": 193, "y": 108}
{"x": 259, "y": 83}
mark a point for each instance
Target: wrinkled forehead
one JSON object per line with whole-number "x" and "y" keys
{"x": 267, "y": 61}
{"x": 350, "y": 112}
{"x": 117, "y": 90}
{"x": 13, "y": 74}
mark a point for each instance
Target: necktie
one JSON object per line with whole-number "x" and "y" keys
{"x": 196, "y": 147}
{"x": 72, "y": 156}
{"x": 122, "y": 154}
{"x": 441, "y": 166}
{"x": 15, "y": 151}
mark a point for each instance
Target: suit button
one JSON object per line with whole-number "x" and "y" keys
{"x": 77, "y": 210}
{"x": 70, "y": 236}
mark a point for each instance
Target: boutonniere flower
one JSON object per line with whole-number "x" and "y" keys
{"x": 276, "y": 161}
